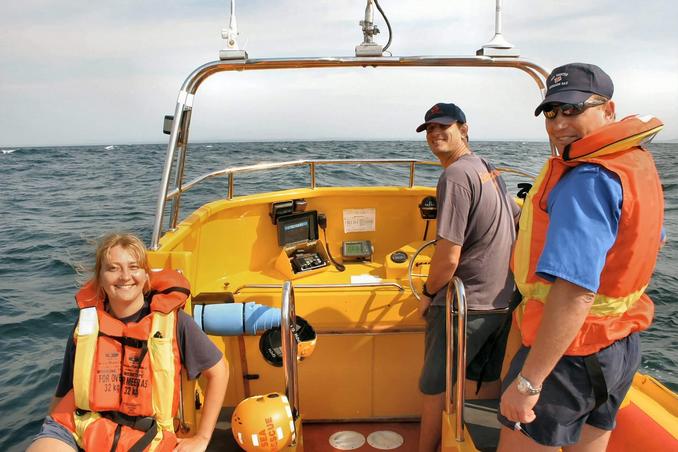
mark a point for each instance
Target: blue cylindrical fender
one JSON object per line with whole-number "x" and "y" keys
{"x": 235, "y": 319}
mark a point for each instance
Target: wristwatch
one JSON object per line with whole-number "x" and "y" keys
{"x": 525, "y": 387}
{"x": 426, "y": 292}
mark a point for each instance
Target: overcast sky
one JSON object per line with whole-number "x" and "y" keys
{"x": 106, "y": 72}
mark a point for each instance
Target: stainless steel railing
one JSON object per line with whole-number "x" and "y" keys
{"x": 455, "y": 289}
{"x": 289, "y": 350}
{"x": 232, "y": 171}
{"x": 388, "y": 285}
{"x": 175, "y": 194}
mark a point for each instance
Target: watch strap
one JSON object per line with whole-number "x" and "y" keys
{"x": 426, "y": 292}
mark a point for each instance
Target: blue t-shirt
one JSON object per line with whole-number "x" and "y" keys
{"x": 584, "y": 210}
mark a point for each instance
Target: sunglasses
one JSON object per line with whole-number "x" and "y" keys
{"x": 551, "y": 110}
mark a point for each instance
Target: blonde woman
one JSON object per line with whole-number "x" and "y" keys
{"x": 120, "y": 381}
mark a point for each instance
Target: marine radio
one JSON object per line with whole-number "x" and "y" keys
{"x": 298, "y": 236}
{"x": 302, "y": 262}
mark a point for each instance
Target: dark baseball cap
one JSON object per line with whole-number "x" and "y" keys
{"x": 574, "y": 83}
{"x": 443, "y": 114}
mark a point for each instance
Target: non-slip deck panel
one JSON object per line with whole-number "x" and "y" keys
{"x": 481, "y": 420}
{"x": 316, "y": 436}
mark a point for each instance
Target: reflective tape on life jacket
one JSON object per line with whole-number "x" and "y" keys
{"x": 621, "y": 306}
{"x": 126, "y": 376}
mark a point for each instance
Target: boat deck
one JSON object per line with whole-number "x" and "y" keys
{"x": 480, "y": 416}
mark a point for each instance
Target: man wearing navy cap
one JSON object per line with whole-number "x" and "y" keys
{"x": 589, "y": 234}
{"x": 475, "y": 232}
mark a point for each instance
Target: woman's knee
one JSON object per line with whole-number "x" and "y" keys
{"x": 49, "y": 445}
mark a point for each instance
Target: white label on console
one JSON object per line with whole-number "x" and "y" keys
{"x": 357, "y": 279}
{"x": 359, "y": 220}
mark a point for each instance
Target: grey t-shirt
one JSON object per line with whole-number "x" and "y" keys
{"x": 476, "y": 212}
{"x": 198, "y": 353}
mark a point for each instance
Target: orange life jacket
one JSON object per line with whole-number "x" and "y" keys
{"x": 621, "y": 306}
{"x": 126, "y": 377}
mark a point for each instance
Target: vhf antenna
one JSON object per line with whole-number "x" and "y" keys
{"x": 369, "y": 48}
{"x": 230, "y": 34}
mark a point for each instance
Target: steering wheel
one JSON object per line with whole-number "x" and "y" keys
{"x": 413, "y": 263}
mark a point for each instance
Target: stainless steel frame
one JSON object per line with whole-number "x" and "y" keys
{"x": 182, "y": 114}
{"x": 455, "y": 289}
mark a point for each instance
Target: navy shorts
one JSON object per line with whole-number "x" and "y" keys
{"x": 479, "y": 327}
{"x": 567, "y": 399}
{"x": 52, "y": 429}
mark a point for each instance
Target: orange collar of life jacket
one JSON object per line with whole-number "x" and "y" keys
{"x": 619, "y": 136}
{"x": 169, "y": 292}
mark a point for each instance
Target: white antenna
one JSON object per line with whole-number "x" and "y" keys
{"x": 498, "y": 46}
{"x": 230, "y": 34}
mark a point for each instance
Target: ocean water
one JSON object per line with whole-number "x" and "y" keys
{"x": 55, "y": 201}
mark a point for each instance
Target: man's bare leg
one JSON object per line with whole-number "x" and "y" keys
{"x": 514, "y": 441}
{"x": 592, "y": 440}
{"x": 488, "y": 390}
{"x": 431, "y": 422}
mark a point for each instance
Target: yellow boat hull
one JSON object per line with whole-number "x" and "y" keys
{"x": 370, "y": 339}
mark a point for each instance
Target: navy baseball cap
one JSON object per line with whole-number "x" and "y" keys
{"x": 443, "y": 114}
{"x": 574, "y": 83}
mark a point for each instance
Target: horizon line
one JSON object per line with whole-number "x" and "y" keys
{"x": 304, "y": 140}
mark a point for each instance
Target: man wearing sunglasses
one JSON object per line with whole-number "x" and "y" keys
{"x": 589, "y": 235}
{"x": 475, "y": 228}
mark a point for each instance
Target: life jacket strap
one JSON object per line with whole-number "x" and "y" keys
{"x": 141, "y": 423}
{"x": 146, "y": 424}
{"x": 116, "y": 437}
{"x": 126, "y": 341}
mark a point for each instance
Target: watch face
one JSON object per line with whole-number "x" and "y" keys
{"x": 522, "y": 387}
